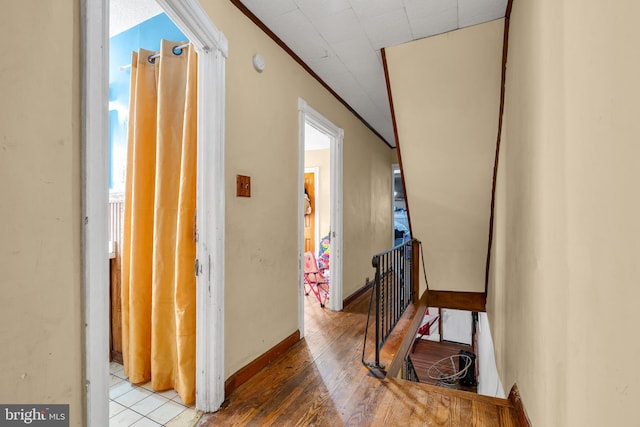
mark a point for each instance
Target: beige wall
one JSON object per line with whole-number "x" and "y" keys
{"x": 564, "y": 288}
{"x": 394, "y": 156}
{"x": 40, "y": 231}
{"x": 321, "y": 159}
{"x": 40, "y": 163}
{"x": 262, "y": 141}
{"x": 446, "y": 92}
{"x": 367, "y": 203}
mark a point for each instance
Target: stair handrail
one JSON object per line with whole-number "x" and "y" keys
{"x": 395, "y": 288}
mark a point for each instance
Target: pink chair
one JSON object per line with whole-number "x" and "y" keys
{"x": 314, "y": 280}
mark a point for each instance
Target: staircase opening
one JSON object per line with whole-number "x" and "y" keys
{"x": 443, "y": 336}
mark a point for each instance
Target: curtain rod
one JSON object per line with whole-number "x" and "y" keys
{"x": 177, "y": 50}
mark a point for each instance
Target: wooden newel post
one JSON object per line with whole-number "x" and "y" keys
{"x": 376, "y": 263}
{"x": 415, "y": 271}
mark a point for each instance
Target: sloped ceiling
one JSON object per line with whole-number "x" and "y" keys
{"x": 448, "y": 146}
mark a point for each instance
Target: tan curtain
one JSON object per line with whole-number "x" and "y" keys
{"x": 158, "y": 254}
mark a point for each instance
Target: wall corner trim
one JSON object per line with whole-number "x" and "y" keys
{"x": 516, "y": 401}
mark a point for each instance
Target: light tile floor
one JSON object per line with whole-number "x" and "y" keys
{"x": 140, "y": 406}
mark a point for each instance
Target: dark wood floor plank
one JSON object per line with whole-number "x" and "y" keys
{"x": 285, "y": 406}
{"x": 314, "y": 406}
{"x": 320, "y": 381}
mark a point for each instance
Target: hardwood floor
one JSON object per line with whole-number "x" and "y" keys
{"x": 320, "y": 381}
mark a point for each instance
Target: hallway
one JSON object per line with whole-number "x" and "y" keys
{"x": 321, "y": 381}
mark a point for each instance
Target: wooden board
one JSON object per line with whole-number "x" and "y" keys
{"x": 310, "y": 218}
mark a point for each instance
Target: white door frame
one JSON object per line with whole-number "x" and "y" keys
{"x": 212, "y": 49}
{"x": 306, "y": 114}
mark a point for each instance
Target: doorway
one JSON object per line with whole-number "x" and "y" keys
{"x": 313, "y": 123}
{"x": 211, "y": 45}
{"x": 156, "y": 313}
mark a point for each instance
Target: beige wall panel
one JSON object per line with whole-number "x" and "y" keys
{"x": 40, "y": 230}
{"x": 261, "y": 297}
{"x": 394, "y": 156}
{"x": 564, "y": 287}
{"x": 446, "y": 96}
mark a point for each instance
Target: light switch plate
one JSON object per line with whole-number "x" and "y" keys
{"x": 243, "y": 186}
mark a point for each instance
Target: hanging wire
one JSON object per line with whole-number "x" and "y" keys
{"x": 424, "y": 268}
{"x": 176, "y": 50}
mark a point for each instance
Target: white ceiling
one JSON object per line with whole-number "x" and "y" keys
{"x": 125, "y": 14}
{"x": 340, "y": 40}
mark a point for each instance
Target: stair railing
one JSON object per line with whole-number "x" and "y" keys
{"x": 395, "y": 287}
